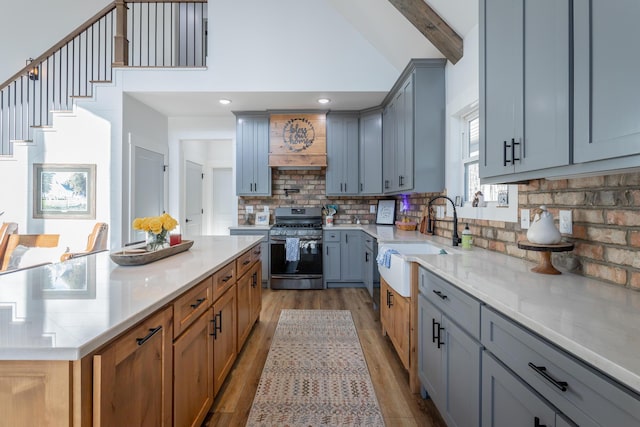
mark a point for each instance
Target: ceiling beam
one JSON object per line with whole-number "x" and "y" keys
{"x": 432, "y": 26}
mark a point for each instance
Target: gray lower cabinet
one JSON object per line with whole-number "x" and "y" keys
{"x": 370, "y": 274}
{"x": 524, "y": 86}
{"x": 448, "y": 355}
{"x": 371, "y": 152}
{"x": 265, "y": 249}
{"x": 509, "y": 402}
{"x": 413, "y": 130}
{"x": 253, "y": 174}
{"x": 342, "y": 260}
{"x": 342, "y": 153}
{"x": 581, "y": 394}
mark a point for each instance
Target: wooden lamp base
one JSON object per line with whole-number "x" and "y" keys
{"x": 545, "y": 266}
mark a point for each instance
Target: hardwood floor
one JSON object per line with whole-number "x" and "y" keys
{"x": 390, "y": 380}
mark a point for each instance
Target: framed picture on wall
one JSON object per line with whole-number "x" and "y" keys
{"x": 386, "y": 213}
{"x": 64, "y": 191}
{"x": 262, "y": 218}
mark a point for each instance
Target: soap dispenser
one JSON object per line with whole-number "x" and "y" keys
{"x": 466, "y": 237}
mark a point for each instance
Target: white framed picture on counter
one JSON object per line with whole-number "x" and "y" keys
{"x": 386, "y": 213}
{"x": 262, "y": 218}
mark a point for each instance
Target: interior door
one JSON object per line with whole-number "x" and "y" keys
{"x": 148, "y": 186}
{"x": 193, "y": 192}
{"x": 223, "y": 200}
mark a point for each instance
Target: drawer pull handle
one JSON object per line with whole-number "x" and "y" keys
{"x": 536, "y": 422}
{"x": 440, "y": 294}
{"x": 246, "y": 262}
{"x": 151, "y": 333}
{"x": 226, "y": 278}
{"x": 198, "y": 302}
{"x": 257, "y": 252}
{"x": 561, "y": 385}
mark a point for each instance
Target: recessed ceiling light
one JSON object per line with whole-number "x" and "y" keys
{"x": 224, "y": 101}
{"x": 324, "y": 100}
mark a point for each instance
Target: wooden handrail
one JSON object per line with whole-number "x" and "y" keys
{"x": 111, "y": 6}
{"x": 60, "y": 44}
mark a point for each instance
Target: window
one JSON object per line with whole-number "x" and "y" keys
{"x": 463, "y": 172}
{"x": 470, "y": 156}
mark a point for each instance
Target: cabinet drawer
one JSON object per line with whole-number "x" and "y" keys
{"x": 188, "y": 307}
{"x": 457, "y": 305}
{"x": 256, "y": 253}
{"x": 369, "y": 242}
{"x": 244, "y": 262}
{"x": 586, "y": 396}
{"x": 223, "y": 279}
{"x": 331, "y": 236}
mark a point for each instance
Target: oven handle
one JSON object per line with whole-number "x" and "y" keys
{"x": 302, "y": 239}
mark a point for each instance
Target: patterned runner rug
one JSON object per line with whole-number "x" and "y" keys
{"x": 315, "y": 374}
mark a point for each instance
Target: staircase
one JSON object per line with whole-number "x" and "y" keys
{"x": 144, "y": 34}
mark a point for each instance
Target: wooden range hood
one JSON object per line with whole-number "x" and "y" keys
{"x": 298, "y": 141}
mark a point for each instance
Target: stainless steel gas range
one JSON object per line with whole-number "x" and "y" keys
{"x": 296, "y": 249}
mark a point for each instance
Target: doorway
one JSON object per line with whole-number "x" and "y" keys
{"x": 193, "y": 199}
{"x": 222, "y": 206}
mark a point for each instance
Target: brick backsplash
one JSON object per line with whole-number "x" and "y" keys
{"x": 312, "y": 186}
{"x": 606, "y": 218}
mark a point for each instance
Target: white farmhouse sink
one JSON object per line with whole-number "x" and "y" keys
{"x": 398, "y": 275}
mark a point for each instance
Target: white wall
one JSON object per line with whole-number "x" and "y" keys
{"x": 85, "y": 138}
{"x": 28, "y": 28}
{"x": 144, "y": 127}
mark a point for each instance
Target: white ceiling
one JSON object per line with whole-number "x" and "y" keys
{"x": 376, "y": 20}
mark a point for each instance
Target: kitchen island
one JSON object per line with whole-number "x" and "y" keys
{"x": 60, "y": 321}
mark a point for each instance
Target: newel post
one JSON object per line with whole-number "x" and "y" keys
{"x": 121, "y": 44}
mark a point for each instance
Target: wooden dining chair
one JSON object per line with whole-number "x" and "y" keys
{"x": 29, "y": 241}
{"x": 96, "y": 242}
{"x": 6, "y": 230}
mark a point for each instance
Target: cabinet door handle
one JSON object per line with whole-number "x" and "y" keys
{"x": 198, "y": 302}
{"x": 400, "y": 180}
{"x": 361, "y": 187}
{"x": 440, "y": 329}
{"x": 254, "y": 280}
{"x": 217, "y": 324}
{"x": 345, "y": 187}
{"x": 433, "y": 330}
{"x": 366, "y": 257}
{"x": 561, "y": 385}
{"x": 151, "y": 333}
{"x": 536, "y": 422}
{"x": 346, "y": 238}
{"x": 504, "y": 153}
{"x": 386, "y": 183}
{"x": 440, "y": 294}
{"x": 513, "y": 150}
{"x": 390, "y": 299}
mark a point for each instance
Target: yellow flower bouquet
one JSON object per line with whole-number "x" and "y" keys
{"x": 157, "y": 229}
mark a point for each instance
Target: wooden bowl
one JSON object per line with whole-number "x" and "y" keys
{"x": 406, "y": 226}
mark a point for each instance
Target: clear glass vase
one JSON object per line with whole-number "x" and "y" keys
{"x": 155, "y": 242}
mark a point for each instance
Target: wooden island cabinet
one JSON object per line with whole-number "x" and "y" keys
{"x": 164, "y": 368}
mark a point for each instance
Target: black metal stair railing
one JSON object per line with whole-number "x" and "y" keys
{"x": 158, "y": 34}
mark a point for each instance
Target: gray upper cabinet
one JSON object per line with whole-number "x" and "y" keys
{"x": 607, "y": 93}
{"x": 342, "y": 153}
{"x": 371, "y": 152}
{"x": 524, "y": 86}
{"x": 253, "y": 174}
{"x": 413, "y": 129}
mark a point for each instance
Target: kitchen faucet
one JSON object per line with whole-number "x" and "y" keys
{"x": 432, "y": 228}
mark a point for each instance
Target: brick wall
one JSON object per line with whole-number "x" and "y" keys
{"x": 312, "y": 186}
{"x": 606, "y": 218}
{"x": 606, "y": 225}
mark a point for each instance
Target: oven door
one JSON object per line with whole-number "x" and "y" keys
{"x": 306, "y": 273}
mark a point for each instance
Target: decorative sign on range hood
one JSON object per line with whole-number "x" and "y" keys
{"x": 298, "y": 141}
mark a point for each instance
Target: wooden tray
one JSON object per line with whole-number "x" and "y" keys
{"x": 139, "y": 256}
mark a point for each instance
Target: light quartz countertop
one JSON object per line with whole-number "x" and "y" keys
{"x": 251, "y": 227}
{"x": 66, "y": 310}
{"x": 597, "y": 322}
